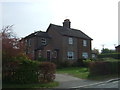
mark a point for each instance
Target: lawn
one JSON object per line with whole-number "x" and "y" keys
{"x": 83, "y": 73}
{"x": 75, "y": 71}
{"x": 46, "y": 85}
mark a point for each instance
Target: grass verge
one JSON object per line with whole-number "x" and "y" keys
{"x": 46, "y": 85}
{"x": 84, "y": 73}
{"x": 75, "y": 71}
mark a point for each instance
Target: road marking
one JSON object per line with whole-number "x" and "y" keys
{"x": 101, "y": 83}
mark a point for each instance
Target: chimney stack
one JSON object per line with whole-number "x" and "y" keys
{"x": 66, "y": 23}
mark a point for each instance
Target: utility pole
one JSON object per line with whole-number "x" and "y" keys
{"x": 103, "y": 46}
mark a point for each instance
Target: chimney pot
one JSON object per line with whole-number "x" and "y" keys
{"x": 66, "y": 23}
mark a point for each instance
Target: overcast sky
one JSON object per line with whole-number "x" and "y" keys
{"x": 97, "y": 18}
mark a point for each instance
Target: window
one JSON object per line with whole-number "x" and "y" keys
{"x": 85, "y": 55}
{"x": 84, "y": 42}
{"x": 43, "y": 41}
{"x": 54, "y": 54}
{"x": 70, "y": 40}
{"x": 70, "y": 55}
{"x": 29, "y": 42}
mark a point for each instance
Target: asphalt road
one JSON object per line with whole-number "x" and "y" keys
{"x": 67, "y": 81}
{"x": 106, "y": 84}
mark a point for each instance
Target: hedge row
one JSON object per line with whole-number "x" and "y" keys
{"x": 27, "y": 71}
{"x": 111, "y": 55}
{"x": 102, "y": 68}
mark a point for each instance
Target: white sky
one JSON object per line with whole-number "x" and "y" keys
{"x": 97, "y": 18}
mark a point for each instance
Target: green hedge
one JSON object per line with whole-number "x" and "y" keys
{"x": 28, "y": 71}
{"x": 103, "y": 68}
{"x": 111, "y": 55}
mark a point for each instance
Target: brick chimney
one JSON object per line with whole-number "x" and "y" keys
{"x": 66, "y": 23}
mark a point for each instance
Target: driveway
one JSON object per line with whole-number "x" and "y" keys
{"x": 67, "y": 81}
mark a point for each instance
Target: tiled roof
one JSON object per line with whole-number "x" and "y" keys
{"x": 39, "y": 34}
{"x": 68, "y": 31}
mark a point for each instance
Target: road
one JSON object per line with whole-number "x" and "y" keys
{"x": 67, "y": 81}
{"x": 111, "y": 84}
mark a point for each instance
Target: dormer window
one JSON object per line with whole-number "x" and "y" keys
{"x": 84, "y": 42}
{"x": 70, "y": 40}
{"x": 43, "y": 41}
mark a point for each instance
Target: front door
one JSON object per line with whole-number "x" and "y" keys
{"x": 48, "y": 56}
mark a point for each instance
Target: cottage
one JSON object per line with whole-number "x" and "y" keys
{"x": 59, "y": 43}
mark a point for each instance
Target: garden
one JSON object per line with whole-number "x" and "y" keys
{"x": 99, "y": 69}
{"x": 18, "y": 70}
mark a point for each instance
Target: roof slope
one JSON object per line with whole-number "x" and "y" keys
{"x": 39, "y": 34}
{"x": 68, "y": 31}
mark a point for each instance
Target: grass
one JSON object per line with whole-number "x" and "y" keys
{"x": 83, "y": 73}
{"x": 46, "y": 85}
{"x": 75, "y": 71}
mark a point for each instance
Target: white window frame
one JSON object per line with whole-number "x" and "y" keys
{"x": 85, "y": 55}
{"x": 70, "y": 55}
{"x": 43, "y": 41}
{"x": 70, "y": 40}
{"x": 84, "y": 42}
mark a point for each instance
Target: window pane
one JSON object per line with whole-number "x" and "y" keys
{"x": 43, "y": 41}
{"x": 84, "y": 42}
{"x": 85, "y": 55}
{"x": 70, "y": 55}
{"x": 70, "y": 40}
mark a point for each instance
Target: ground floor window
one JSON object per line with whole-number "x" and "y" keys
{"x": 85, "y": 55}
{"x": 70, "y": 55}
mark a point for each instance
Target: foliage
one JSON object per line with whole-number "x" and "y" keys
{"x": 79, "y": 72}
{"x": 11, "y": 46}
{"x": 25, "y": 71}
{"x": 47, "y": 72}
{"x": 96, "y": 51}
{"x": 103, "y": 68}
{"x": 35, "y": 85}
{"x": 87, "y": 62}
{"x": 20, "y": 71}
{"x": 110, "y": 55}
{"x": 41, "y": 59}
{"x": 106, "y": 50}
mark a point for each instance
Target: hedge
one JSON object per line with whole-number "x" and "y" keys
{"x": 28, "y": 71}
{"x": 111, "y": 55}
{"x": 103, "y": 68}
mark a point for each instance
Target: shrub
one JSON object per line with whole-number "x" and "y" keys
{"x": 41, "y": 59}
{"x": 87, "y": 62}
{"x": 26, "y": 71}
{"x": 20, "y": 71}
{"x": 102, "y": 68}
{"x": 110, "y": 55}
{"x": 47, "y": 72}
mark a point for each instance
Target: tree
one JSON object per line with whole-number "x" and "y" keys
{"x": 106, "y": 50}
{"x": 10, "y": 44}
{"x": 96, "y": 51}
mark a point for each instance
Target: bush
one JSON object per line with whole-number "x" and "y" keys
{"x": 110, "y": 55}
{"x": 26, "y": 71}
{"x": 47, "y": 72}
{"x": 87, "y": 62}
{"x": 22, "y": 72}
{"x": 102, "y": 68}
{"x": 41, "y": 59}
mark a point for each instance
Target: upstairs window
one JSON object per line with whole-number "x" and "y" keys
{"x": 29, "y": 42}
{"x": 43, "y": 41}
{"x": 70, "y": 40}
{"x": 70, "y": 55}
{"x": 84, "y": 42}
